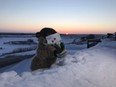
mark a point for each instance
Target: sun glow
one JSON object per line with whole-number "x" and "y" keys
{"x": 67, "y": 33}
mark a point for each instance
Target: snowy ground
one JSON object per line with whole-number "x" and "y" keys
{"x": 93, "y": 67}
{"x": 9, "y": 48}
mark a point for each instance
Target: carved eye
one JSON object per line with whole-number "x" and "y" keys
{"x": 54, "y": 38}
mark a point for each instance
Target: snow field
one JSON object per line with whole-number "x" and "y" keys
{"x": 93, "y": 67}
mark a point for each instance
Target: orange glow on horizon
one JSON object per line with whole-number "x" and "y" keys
{"x": 13, "y": 27}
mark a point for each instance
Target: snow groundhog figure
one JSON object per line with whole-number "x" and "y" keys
{"x": 49, "y": 48}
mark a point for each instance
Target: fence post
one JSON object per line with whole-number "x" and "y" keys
{"x": 87, "y": 43}
{"x": 115, "y": 36}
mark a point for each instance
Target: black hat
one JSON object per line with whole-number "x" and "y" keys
{"x": 45, "y": 32}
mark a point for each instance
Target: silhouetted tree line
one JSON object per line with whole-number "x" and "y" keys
{"x": 17, "y": 34}
{"x": 28, "y": 42}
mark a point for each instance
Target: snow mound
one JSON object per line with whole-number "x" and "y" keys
{"x": 94, "y": 67}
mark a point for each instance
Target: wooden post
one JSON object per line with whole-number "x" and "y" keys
{"x": 87, "y": 43}
{"x": 115, "y": 36}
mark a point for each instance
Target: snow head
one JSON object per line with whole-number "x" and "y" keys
{"x": 51, "y": 36}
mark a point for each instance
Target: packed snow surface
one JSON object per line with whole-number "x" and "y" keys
{"x": 93, "y": 67}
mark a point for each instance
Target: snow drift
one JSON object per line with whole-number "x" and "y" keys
{"x": 94, "y": 67}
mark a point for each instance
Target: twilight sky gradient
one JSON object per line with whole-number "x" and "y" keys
{"x": 65, "y": 16}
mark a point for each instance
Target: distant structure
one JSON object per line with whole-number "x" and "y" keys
{"x": 92, "y": 41}
{"x": 111, "y": 35}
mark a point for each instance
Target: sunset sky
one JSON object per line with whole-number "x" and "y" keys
{"x": 65, "y": 16}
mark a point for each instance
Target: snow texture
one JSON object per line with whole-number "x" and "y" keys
{"x": 93, "y": 67}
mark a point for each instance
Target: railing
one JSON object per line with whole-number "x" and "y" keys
{"x": 92, "y": 42}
